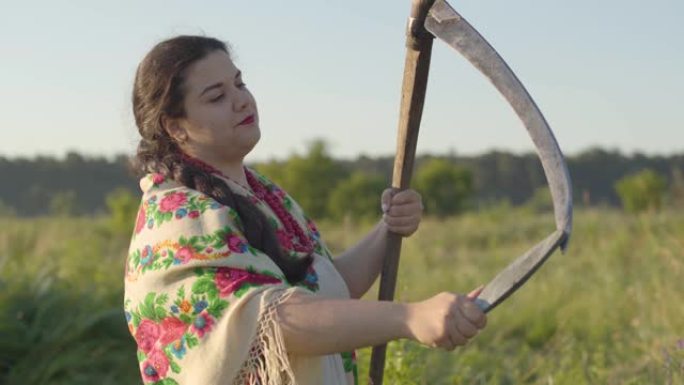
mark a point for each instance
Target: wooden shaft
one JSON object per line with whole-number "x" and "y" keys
{"x": 416, "y": 69}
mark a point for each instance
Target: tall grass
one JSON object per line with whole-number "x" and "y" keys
{"x": 610, "y": 311}
{"x": 61, "y": 282}
{"x": 607, "y": 312}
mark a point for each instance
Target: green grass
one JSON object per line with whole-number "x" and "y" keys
{"x": 607, "y": 312}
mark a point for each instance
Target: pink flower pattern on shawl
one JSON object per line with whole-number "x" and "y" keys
{"x": 147, "y": 335}
{"x": 140, "y": 222}
{"x": 184, "y": 254}
{"x": 157, "y": 179}
{"x": 172, "y": 330}
{"x": 236, "y": 244}
{"x": 155, "y": 366}
{"x": 172, "y": 201}
{"x": 229, "y": 280}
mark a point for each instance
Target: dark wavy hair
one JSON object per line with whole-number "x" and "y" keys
{"x": 158, "y": 92}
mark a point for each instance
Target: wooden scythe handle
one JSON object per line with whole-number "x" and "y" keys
{"x": 416, "y": 68}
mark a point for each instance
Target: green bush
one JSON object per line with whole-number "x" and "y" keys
{"x": 444, "y": 187}
{"x": 357, "y": 196}
{"x": 641, "y": 191}
{"x": 310, "y": 178}
{"x": 122, "y": 206}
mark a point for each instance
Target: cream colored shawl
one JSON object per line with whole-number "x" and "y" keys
{"x": 200, "y": 301}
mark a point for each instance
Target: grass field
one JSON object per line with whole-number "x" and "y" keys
{"x": 610, "y": 311}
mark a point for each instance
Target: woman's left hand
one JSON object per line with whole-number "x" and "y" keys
{"x": 402, "y": 210}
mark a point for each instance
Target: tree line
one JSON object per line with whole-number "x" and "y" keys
{"x": 332, "y": 188}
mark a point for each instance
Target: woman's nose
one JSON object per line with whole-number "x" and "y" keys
{"x": 242, "y": 99}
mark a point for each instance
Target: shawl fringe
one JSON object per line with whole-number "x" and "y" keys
{"x": 268, "y": 362}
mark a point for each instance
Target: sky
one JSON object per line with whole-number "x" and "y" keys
{"x": 604, "y": 73}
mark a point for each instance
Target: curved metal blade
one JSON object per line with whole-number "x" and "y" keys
{"x": 447, "y": 25}
{"x": 515, "y": 274}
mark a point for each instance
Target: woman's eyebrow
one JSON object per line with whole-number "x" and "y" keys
{"x": 211, "y": 87}
{"x": 218, "y": 85}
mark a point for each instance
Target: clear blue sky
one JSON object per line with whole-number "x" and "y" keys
{"x": 605, "y": 73}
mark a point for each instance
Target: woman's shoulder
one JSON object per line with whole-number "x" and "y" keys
{"x": 165, "y": 201}
{"x": 156, "y": 182}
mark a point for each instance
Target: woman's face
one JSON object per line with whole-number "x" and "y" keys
{"x": 221, "y": 121}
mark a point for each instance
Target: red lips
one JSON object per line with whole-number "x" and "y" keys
{"x": 248, "y": 120}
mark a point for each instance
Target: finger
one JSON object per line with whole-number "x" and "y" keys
{"x": 405, "y": 209}
{"x": 402, "y": 228}
{"x": 475, "y": 293}
{"x": 464, "y": 326}
{"x": 474, "y": 314}
{"x": 403, "y": 231}
{"x": 405, "y": 196}
{"x": 386, "y": 199}
{"x": 401, "y": 221}
{"x": 454, "y": 334}
{"x": 446, "y": 344}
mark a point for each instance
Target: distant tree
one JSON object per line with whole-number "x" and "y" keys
{"x": 444, "y": 186}
{"x": 641, "y": 191}
{"x": 273, "y": 170}
{"x": 30, "y": 183}
{"x": 122, "y": 206}
{"x": 73, "y": 158}
{"x": 63, "y": 203}
{"x": 310, "y": 178}
{"x": 357, "y": 196}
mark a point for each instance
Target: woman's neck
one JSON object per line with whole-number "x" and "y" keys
{"x": 234, "y": 170}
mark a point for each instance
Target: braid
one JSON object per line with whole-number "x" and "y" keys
{"x": 259, "y": 232}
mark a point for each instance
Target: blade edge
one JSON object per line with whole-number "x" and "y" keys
{"x": 518, "y": 272}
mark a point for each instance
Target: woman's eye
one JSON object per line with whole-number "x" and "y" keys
{"x": 216, "y": 99}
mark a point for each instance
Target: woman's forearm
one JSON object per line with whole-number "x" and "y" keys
{"x": 314, "y": 325}
{"x": 361, "y": 264}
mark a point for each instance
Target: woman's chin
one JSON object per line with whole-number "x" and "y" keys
{"x": 250, "y": 141}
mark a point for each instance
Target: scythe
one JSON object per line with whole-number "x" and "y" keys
{"x": 436, "y": 18}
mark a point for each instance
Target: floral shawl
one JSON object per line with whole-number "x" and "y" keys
{"x": 200, "y": 301}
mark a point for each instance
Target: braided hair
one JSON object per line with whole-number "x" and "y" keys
{"x": 157, "y": 92}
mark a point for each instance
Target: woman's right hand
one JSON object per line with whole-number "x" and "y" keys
{"x": 446, "y": 320}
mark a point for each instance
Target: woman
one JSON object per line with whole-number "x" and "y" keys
{"x": 227, "y": 281}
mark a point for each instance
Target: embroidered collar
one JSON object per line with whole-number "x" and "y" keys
{"x": 292, "y": 237}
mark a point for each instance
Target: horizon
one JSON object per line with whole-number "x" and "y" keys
{"x": 113, "y": 157}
